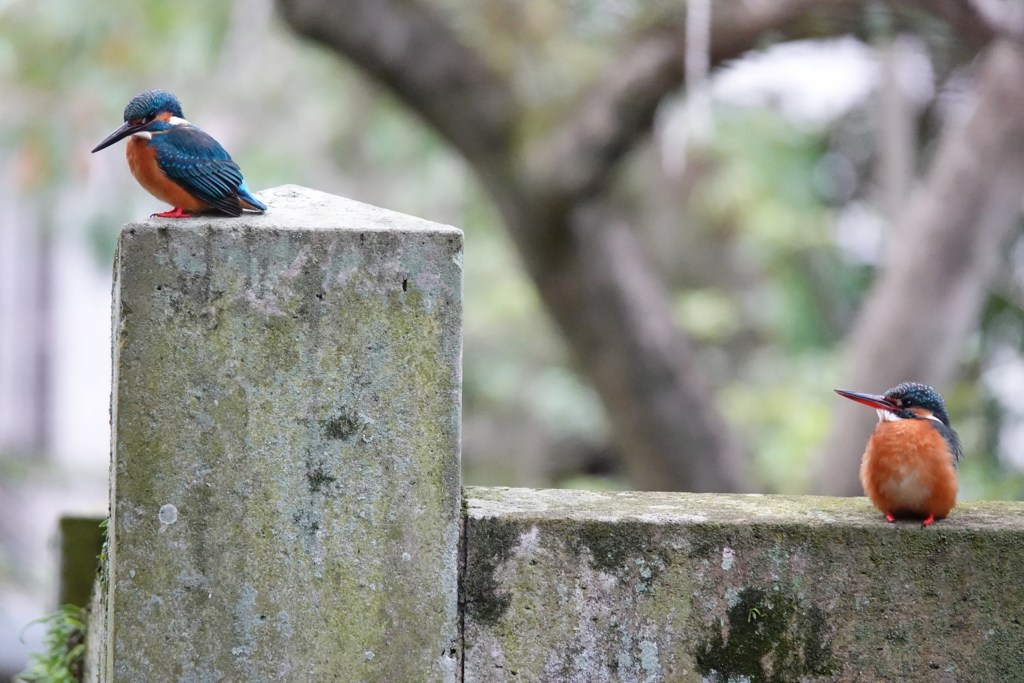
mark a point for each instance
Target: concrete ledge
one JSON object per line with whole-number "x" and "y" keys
{"x": 581, "y": 586}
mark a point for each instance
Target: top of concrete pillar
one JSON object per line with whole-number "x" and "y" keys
{"x": 297, "y": 207}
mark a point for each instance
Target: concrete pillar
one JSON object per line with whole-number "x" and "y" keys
{"x": 286, "y": 410}
{"x": 81, "y": 539}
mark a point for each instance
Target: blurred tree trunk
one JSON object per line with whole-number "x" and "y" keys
{"x": 896, "y": 135}
{"x": 942, "y": 256}
{"x": 588, "y": 265}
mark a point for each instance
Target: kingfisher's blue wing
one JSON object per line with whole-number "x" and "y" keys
{"x": 952, "y": 440}
{"x": 198, "y": 163}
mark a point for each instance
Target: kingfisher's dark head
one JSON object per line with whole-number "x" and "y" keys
{"x": 147, "y": 111}
{"x": 906, "y": 401}
{"x": 152, "y": 103}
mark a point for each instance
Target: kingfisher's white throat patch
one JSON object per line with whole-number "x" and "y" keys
{"x": 143, "y": 135}
{"x": 889, "y": 416}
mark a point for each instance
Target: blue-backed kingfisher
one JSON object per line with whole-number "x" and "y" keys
{"x": 909, "y": 465}
{"x": 179, "y": 163}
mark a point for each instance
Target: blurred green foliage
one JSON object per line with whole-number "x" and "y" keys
{"x": 63, "y": 656}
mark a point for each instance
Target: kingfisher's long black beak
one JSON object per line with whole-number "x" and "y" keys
{"x": 126, "y": 129}
{"x": 876, "y": 401}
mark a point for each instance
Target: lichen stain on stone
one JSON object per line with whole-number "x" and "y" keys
{"x": 491, "y": 542}
{"x": 649, "y": 660}
{"x": 317, "y": 478}
{"x": 245, "y": 620}
{"x": 771, "y": 638}
{"x": 728, "y": 557}
{"x": 168, "y": 514}
{"x": 529, "y": 542}
{"x": 188, "y": 262}
{"x": 309, "y": 521}
{"x": 342, "y": 425}
{"x": 615, "y": 551}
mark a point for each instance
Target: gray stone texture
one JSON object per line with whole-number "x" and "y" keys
{"x": 286, "y": 414}
{"x": 577, "y": 586}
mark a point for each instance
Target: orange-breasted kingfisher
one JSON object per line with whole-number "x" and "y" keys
{"x": 178, "y": 162}
{"x": 909, "y": 465}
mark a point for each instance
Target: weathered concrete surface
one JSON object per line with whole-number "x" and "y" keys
{"x": 286, "y": 414}
{"x": 579, "y": 586}
{"x": 97, "y": 636}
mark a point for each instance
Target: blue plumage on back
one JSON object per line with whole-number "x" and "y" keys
{"x": 202, "y": 166}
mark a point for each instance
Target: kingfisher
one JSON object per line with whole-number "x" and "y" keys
{"x": 909, "y": 465}
{"x": 178, "y": 162}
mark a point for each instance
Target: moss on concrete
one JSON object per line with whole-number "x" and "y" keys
{"x": 286, "y": 470}
{"x": 769, "y": 639}
{"x": 493, "y": 541}
{"x": 81, "y": 540}
{"x": 695, "y": 587}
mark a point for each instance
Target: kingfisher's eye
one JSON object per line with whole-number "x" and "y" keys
{"x": 149, "y": 117}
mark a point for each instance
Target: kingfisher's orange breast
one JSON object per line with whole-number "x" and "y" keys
{"x": 908, "y": 469}
{"x": 142, "y": 162}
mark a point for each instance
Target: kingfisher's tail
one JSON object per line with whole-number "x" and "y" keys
{"x": 249, "y": 201}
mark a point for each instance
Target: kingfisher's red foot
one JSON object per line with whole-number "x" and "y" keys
{"x": 928, "y": 522}
{"x": 177, "y": 212}
{"x": 889, "y": 518}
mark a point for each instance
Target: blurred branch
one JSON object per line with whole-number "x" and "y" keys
{"x": 579, "y": 156}
{"x": 406, "y": 46}
{"x": 896, "y": 145}
{"x": 941, "y": 260}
